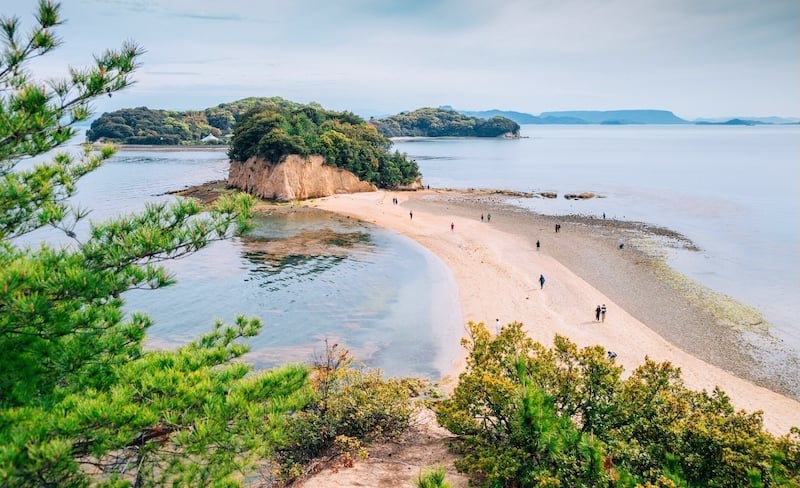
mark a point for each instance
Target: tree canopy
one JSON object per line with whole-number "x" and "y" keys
{"x": 81, "y": 402}
{"x": 441, "y": 122}
{"x": 275, "y": 130}
{"x": 527, "y": 415}
{"x": 143, "y": 125}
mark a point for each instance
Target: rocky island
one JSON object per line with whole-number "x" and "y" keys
{"x": 287, "y": 151}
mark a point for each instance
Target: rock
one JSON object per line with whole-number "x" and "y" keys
{"x": 294, "y": 178}
{"x": 579, "y": 196}
{"x": 413, "y": 186}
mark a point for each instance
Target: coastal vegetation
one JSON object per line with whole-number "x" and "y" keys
{"x": 527, "y": 415}
{"x": 143, "y": 125}
{"x": 277, "y": 129}
{"x": 83, "y": 403}
{"x": 442, "y": 122}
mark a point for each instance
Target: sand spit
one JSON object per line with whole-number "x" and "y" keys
{"x": 496, "y": 266}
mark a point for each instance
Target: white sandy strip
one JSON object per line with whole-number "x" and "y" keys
{"x": 497, "y": 276}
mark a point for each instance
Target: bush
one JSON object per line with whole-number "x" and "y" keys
{"x": 433, "y": 478}
{"x": 352, "y": 406}
{"x": 527, "y": 415}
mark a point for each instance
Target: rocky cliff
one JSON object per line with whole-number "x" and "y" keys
{"x": 295, "y": 178}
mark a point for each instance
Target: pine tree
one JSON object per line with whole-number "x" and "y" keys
{"x": 81, "y": 402}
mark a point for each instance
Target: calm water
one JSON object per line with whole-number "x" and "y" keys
{"x": 377, "y": 300}
{"x": 732, "y": 190}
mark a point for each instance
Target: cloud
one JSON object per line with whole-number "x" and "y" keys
{"x": 697, "y": 58}
{"x": 209, "y": 16}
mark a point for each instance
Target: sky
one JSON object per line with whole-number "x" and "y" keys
{"x": 697, "y": 58}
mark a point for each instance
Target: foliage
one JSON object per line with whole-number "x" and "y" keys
{"x": 433, "y": 478}
{"x": 352, "y": 406}
{"x": 440, "y": 122}
{"x": 279, "y": 128}
{"x": 81, "y": 402}
{"x": 527, "y": 415}
{"x": 145, "y": 126}
{"x": 168, "y": 127}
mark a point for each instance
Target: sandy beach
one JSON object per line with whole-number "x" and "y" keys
{"x": 496, "y": 266}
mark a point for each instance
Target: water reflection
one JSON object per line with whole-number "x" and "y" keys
{"x": 311, "y": 277}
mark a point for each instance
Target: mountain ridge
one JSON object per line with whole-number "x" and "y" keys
{"x": 622, "y": 117}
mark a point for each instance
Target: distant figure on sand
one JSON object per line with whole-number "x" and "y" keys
{"x": 481, "y": 217}
{"x": 597, "y": 313}
{"x": 541, "y": 281}
{"x": 603, "y": 313}
{"x": 497, "y": 325}
{"x": 611, "y": 355}
{"x": 488, "y": 217}
{"x": 452, "y": 225}
{"x": 537, "y": 245}
{"x": 411, "y": 215}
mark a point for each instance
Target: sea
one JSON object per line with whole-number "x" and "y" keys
{"x": 734, "y": 191}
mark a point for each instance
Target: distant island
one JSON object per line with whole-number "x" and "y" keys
{"x": 145, "y": 126}
{"x": 444, "y": 122}
{"x": 215, "y": 125}
{"x": 619, "y": 117}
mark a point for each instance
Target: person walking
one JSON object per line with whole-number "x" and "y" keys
{"x": 597, "y": 313}
{"x": 537, "y": 245}
{"x": 541, "y": 281}
{"x": 411, "y": 215}
{"x": 497, "y": 325}
{"x": 603, "y": 313}
{"x": 488, "y": 217}
{"x": 452, "y": 226}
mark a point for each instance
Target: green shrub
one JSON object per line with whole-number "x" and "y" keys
{"x": 353, "y": 405}
{"x": 433, "y": 478}
{"x": 526, "y": 415}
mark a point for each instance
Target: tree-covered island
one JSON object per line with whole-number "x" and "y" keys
{"x": 270, "y": 128}
{"x": 144, "y": 125}
{"x": 216, "y": 125}
{"x": 279, "y": 128}
{"x": 442, "y": 122}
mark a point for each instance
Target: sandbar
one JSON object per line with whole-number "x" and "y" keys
{"x": 496, "y": 266}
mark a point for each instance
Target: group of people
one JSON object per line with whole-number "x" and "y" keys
{"x": 488, "y": 217}
{"x": 600, "y": 313}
